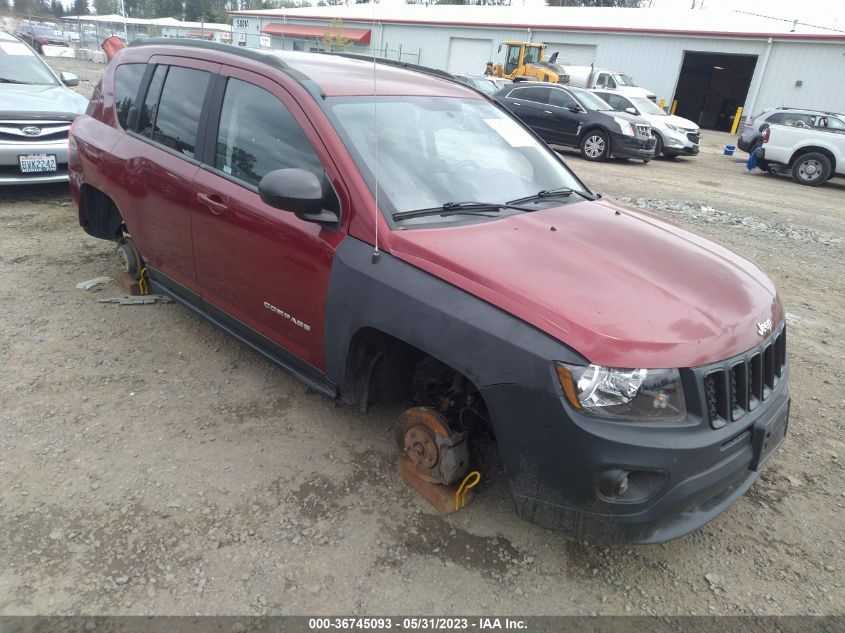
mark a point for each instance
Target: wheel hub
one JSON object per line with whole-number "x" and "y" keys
{"x": 434, "y": 452}
{"x": 594, "y": 146}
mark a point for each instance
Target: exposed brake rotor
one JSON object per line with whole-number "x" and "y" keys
{"x": 435, "y": 453}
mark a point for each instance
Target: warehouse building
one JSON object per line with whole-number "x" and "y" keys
{"x": 710, "y": 62}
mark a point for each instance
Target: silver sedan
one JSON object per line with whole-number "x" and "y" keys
{"x": 36, "y": 111}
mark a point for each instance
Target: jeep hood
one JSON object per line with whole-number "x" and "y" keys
{"x": 28, "y": 99}
{"x": 621, "y": 287}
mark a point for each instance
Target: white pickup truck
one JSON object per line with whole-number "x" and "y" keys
{"x": 813, "y": 155}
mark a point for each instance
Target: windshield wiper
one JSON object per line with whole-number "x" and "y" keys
{"x": 3, "y": 80}
{"x": 553, "y": 193}
{"x": 458, "y": 208}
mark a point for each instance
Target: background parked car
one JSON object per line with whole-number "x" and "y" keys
{"x": 36, "y": 111}
{"x": 479, "y": 83}
{"x": 673, "y": 135}
{"x": 811, "y": 155}
{"x": 751, "y": 134}
{"x": 562, "y": 115}
{"x": 500, "y": 82}
{"x": 605, "y": 79}
{"x": 38, "y": 36}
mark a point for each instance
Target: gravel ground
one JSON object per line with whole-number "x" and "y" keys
{"x": 150, "y": 464}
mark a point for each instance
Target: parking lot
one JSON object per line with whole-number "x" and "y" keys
{"x": 151, "y": 464}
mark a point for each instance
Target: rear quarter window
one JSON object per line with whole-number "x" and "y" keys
{"x": 127, "y": 81}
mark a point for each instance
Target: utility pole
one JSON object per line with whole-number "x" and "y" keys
{"x": 123, "y": 11}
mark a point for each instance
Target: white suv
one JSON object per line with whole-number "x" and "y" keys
{"x": 675, "y": 135}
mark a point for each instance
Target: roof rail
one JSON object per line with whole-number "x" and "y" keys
{"x": 442, "y": 74}
{"x": 248, "y": 53}
{"x": 425, "y": 70}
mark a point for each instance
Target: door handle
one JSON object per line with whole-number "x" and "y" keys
{"x": 213, "y": 202}
{"x": 547, "y": 111}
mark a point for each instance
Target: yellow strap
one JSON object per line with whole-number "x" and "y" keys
{"x": 142, "y": 282}
{"x": 464, "y": 488}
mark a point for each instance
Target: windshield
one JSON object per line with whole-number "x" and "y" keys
{"x": 590, "y": 100}
{"x": 18, "y": 64}
{"x": 623, "y": 80}
{"x": 436, "y": 150}
{"x": 647, "y": 106}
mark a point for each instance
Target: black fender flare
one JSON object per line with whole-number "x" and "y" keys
{"x": 484, "y": 343}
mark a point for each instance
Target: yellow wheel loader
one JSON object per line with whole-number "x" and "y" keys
{"x": 524, "y": 62}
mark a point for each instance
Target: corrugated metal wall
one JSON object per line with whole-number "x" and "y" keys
{"x": 654, "y": 61}
{"x": 819, "y": 67}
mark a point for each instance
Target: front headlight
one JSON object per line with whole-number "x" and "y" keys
{"x": 625, "y": 394}
{"x": 626, "y": 127}
{"x": 680, "y": 130}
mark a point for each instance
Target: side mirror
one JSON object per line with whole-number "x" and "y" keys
{"x": 500, "y": 49}
{"x": 631, "y": 110}
{"x": 298, "y": 191}
{"x": 576, "y": 109}
{"x": 69, "y": 79}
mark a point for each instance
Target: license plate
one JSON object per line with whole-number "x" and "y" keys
{"x": 37, "y": 163}
{"x": 767, "y": 436}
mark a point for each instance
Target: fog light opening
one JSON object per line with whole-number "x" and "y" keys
{"x": 613, "y": 483}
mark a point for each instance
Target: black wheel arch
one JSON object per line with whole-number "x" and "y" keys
{"x": 812, "y": 149}
{"x": 394, "y": 309}
{"x": 597, "y": 126}
{"x": 99, "y": 215}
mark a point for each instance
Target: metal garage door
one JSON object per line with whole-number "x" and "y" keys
{"x": 469, "y": 55}
{"x": 576, "y": 54}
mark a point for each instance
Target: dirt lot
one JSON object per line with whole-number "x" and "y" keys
{"x": 150, "y": 464}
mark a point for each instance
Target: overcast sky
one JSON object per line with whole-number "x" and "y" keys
{"x": 821, "y": 12}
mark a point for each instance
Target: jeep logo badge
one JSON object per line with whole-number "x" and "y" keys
{"x": 764, "y": 327}
{"x": 31, "y": 130}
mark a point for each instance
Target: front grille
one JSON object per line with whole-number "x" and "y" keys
{"x": 11, "y": 131}
{"x": 694, "y": 137}
{"x": 643, "y": 131}
{"x": 737, "y": 386}
{"x": 17, "y": 138}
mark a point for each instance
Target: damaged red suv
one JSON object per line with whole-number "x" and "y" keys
{"x": 400, "y": 237}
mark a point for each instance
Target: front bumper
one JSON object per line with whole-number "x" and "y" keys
{"x": 10, "y": 173}
{"x": 684, "y": 474}
{"x": 677, "y": 143}
{"x": 623, "y": 146}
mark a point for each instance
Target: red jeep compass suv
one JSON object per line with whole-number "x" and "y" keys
{"x": 385, "y": 233}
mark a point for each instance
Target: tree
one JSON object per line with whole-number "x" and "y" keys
{"x": 56, "y": 8}
{"x": 80, "y": 7}
{"x": 334, "y": 37}
{"x": 167, "y": 8}
{"x": 4, "y": 6}
{"x": 106, "y": 7}
{"x": 194, "y": 9}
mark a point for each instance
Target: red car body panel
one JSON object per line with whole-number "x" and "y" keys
{"x": 252, "y": 253}
{"x": 621, "y": 287}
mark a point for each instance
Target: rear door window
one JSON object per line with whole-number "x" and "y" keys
{"x": 147, "y": 117}
{"x": 177, "y": 116}
{"x": 537, "y": 94}
{"x": 562, "y": 99}
{"x": 127, "y": 81}
{"x": 258, "y": 134}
